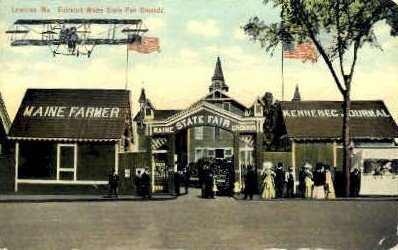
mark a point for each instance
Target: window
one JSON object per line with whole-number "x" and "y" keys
{"x": 220, "y": 153}
{"x": 217, "y": 133}
{"x": 227, "y": 106}
{"x": 228, "y": 153}
{"x": 199, "y": 133}
{"x": 211, "y": 153}
{"x": 198, "y": 154}
{"x": 66, "y": 162}
{"x": 258, "y": 109}
{"x": 148, "y": 111}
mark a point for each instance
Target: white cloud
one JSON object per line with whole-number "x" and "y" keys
{"x": 189, "y": 56}
{"x": 239, "y": 34}
{"x": 207, "y": 28}
{"x": 154, "y": 24}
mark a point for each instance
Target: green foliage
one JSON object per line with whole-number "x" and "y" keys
{"x": 346, "y": 23}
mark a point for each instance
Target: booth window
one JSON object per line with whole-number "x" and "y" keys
{"x": 199, "y": 133}
{"x": 380, "y": 167}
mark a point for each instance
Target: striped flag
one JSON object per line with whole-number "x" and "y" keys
{"x": 304, "y": 51}
{"x": 147, "y": 45}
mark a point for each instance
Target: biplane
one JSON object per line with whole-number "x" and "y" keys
{"x": 75, "y": 36}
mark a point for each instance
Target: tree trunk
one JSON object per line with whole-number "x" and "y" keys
{"x": 346, "y": 139}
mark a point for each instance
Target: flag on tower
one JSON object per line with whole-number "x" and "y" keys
{"x": 304, "y": 51}
{"x": 146, "y": 45}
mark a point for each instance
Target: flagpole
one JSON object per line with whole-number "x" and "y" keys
{"x": 127, "y": 66}
{"x": 282, "y": 57}
{"x": 283, "y": 78}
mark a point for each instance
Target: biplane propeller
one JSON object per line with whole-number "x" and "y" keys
{"x": 75, "y": 36}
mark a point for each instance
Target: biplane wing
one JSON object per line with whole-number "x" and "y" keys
{"x": 32, "y": 42}
{"x": 75, "y": 36}
{"x": 77, "y": 21}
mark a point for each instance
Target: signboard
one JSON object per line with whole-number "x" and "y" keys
{"x": 70, "y": 112}
{"x": 127, "y": 173}
{"x": 320, "y": 113}
{"x": 205, "y": 119}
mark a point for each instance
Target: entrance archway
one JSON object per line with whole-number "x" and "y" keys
{"x": 168, "y": 131}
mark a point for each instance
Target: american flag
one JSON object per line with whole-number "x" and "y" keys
{"x": 147, "y": 45}
{"x": 304, "y": 51}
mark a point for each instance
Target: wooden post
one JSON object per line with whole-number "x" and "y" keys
{"x": 148, "y": 161}
{"x": 237, "y": 169}
{"x": 188, "y": 145}
{"x": 294, "y": 165}
{"x": 16, "y": 166}
{"x": 116, "y": 158}
{"x": 259, "y": 156}
{"x": 335, "y": 154}
{"x": 171, "y": 141}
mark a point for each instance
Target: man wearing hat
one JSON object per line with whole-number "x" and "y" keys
{"x": 289, "y": 179}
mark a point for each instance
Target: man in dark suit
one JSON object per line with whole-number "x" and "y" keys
{"x": 145, "y": 184}
{"x": 250, "y": 183}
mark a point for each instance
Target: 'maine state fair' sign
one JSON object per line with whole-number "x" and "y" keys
{"x": 70, "y": 112}
{"x": 204, "y": 120}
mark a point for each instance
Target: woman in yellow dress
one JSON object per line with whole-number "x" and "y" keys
{"x": 268, "y": 180}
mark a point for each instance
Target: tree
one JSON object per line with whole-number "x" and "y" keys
{"x": 338, "y": 29}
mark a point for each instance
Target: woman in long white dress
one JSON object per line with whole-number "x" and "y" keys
{"x": 329, "y": 185}
{"x": 268, "y": 180}
{"x": 308, "y": 181}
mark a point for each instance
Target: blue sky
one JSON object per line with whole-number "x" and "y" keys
{"x": 192, "y": 34}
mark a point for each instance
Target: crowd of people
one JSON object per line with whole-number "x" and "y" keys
{"x": 278, "y": 181}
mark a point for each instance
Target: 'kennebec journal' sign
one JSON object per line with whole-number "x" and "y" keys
{"x": 362, "y": 113}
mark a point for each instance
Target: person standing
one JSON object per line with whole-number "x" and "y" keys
{"x": 187, "y": 177}
{"x": 308, "y": 183}
{"x": 289, "y": 179}
{"x": 355, "y": 181}
{"x": 145, "y": 184}
{"x": 137, "y": 182}
{"x": 250, "y": 183}
{"x": 208, "y": 180}
{"x": 329, "y": 187}
{"x": 319, "y": 182}
{"x": 177, "y": 183}
{"x": 113, "y": 182}
{"x": 268, "y": 180}
{"x": 202, "y": 179}
{"x": 279, "y": 180}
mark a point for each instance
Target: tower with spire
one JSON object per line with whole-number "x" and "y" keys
{"x": 217, "y": 81}
{"x": 296, "y": 96}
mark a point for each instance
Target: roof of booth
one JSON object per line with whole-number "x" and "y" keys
{"x": 324, "y": 120}
{"x": 72, "y": 114}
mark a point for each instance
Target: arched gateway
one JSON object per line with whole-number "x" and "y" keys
{"x": 215, "y": 126}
